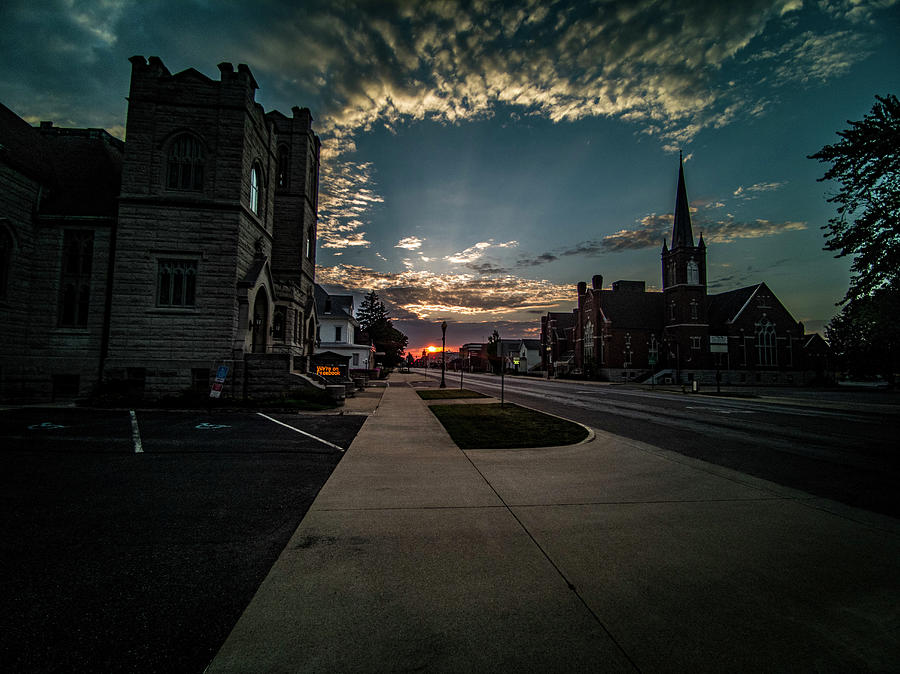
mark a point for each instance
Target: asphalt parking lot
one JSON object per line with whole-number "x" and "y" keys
{"x": 134, "y": 545}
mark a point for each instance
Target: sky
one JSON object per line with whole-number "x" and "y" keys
{"x": 479, "y": 158}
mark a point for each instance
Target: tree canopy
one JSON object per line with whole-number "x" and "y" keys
{"x": 865, "y": 336}
{"x": 374, "y": 319}
{"x": 866, "y": 166}
{"x": 371, "y": 311}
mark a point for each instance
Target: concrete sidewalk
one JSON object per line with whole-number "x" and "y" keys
{"x": 606, "y": 556}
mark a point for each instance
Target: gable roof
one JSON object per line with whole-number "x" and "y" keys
{"x": 725, "y": 307}
{"x": 339, "y": 306}
{"x": 638, "y": 311}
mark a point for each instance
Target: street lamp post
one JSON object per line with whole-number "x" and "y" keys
{"x": 443, "y": 352}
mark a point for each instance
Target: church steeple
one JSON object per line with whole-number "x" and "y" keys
{"x": 682, "y": 235}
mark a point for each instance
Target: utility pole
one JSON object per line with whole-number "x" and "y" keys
{"x": 443, "y": 352}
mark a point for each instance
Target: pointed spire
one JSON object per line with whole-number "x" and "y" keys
{"x": 681, "y": 231}
{"x": 700, "y": 243}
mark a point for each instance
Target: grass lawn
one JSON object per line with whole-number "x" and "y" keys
{"x": 510, "y": 426}
{"x": 448, "y": 393}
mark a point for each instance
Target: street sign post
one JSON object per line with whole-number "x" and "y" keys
{"x": 219, "y": 383}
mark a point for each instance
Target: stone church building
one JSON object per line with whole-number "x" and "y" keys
{"x": 743, "y": 336}
{"x": 144, "y": 267}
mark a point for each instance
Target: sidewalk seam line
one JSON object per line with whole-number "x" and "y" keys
{"x": 559, "y": 571}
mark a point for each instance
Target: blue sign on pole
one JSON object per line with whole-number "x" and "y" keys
{"x": 221, "y": 373}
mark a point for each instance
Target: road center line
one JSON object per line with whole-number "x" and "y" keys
{"x": 309, "y": 435}
{"x": 136, "y": 433}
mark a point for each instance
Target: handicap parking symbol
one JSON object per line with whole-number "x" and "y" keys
{"x": 46, "y": 426}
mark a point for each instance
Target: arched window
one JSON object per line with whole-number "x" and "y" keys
{"x": 185, "y": 164}
{"x": 766, "y": 353}
{"x": 75, "y": 277}
{"x": 6, "y": 251}
{"x": 254, "y": 189}
{"x": 284, "y": 166}
{"x": 588, "y": 342}
{"x": 693, "y": 273}
{"x": 176, "y": 283}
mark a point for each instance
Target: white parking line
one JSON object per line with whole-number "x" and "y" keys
{"x": 309, "y": 435}
{"x": 136, "y": 434}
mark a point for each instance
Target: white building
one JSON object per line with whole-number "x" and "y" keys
{"x": 339, "y": 330}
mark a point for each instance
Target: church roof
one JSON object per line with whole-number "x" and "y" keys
{"x": 633, "y": 310}
{"x": 682, "y": 235}
{"x": 726, "y": 307}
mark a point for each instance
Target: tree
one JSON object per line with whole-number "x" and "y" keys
{"x": 374, "y": 319}
{"x": 865, "y": 337}
{"x": 493, "y": 351}
{"x": 371, "y": 312}
{"x": 866, "y": 165}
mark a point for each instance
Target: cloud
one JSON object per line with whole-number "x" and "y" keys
{"x": 426, "y": 294}
{"x": 346, "y": 196}
{"x": 754, "y": 190}
{"x": 473, "y": 253}
{"x": 455, "y": 60}
{"x": 410, "y": 243}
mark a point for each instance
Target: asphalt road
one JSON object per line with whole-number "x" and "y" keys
{"x": 838, "y": 444}
{"x": 117, "y": 555}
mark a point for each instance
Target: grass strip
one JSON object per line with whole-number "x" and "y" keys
{"x": 448, "y": 394}
{"x": 506, "y": 427}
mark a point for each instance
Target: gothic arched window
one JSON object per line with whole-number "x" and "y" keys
{"x": 284, "y": 165}
{"x": 185, "y": 164}
{"x": 766, "y": 353}
{"x": 588, "y": 341}
{"x": 693, "y": 273}
{"x": 254, "y": 188}
{"x": 75, "y": 277}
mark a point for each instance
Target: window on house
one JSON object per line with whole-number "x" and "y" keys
{"x": 6, "y": 250}
{"x": 185, "y": 164}
{"x": 671, "y": 311}
{"x": 176, "y": 283}
{"x": 284, "y": 159}
{"x": 337, "y": 333}
{"x": 765, "y": 343}
{"x": 309, "y": 244}
{"x": 695, "y": 311}
{"x": 254, "y": 189}
{"x": 695, "y": 343}
{"x": 75, "y": 280}
{"x": 298, "y": 326}
{"x": 355, "y": 360}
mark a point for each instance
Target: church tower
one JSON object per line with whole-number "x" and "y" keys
{"x": 686, "y": 331}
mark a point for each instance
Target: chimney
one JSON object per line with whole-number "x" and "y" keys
{"x": 597, "y": 282}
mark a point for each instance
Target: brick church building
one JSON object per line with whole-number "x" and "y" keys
{"x": 743, "y": 336}
{"x": 146, "y": 266}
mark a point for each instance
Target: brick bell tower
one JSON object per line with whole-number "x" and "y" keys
{"x": 686, "y": 333}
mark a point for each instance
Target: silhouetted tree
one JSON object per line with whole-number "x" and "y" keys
{"x": 866, "y": 166}
{"x": 371, "y": 312}
{"x": 374, "y": 319}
